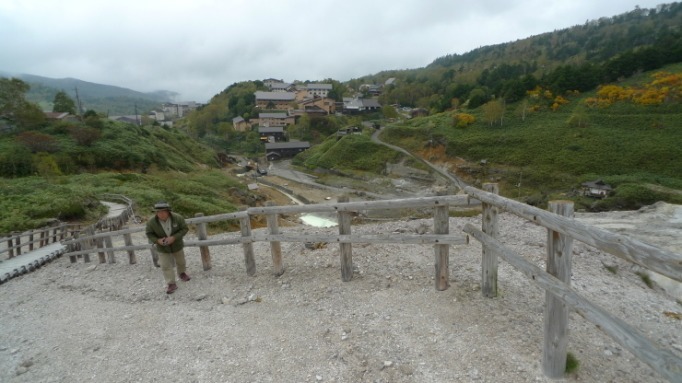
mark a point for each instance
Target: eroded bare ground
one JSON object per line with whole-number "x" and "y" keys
{"x": 114, "y": 323}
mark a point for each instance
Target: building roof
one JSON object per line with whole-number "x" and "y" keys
{"x": 237, "y": 120}
{"x": 56, "y": 115}
{"x": 267, "y": 129}
{"x": 319, "y": 86}
{"x": 287, "y": 145}
{"x": 280, "y": 85}
{"x": 275, "y": 96}
{"x": 371, "y": 103}
{"x": 357, "y": 103}
{"x": 272, "y": 115}
{"x": 597, "y": 184}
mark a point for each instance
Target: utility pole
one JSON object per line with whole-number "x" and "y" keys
{"x": 78, "y": 100}
{"x": 137, "y": 118}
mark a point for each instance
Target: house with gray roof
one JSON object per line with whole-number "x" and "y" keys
{"x": 275, "y": 119}
{"x": 319, "y": 90}
{"x": 278, "y": 150}
{"x": 354, "y": 105}
{"x": 271, "y": 134}
{"x": 274, "y": 100}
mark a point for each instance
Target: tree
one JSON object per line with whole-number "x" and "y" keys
{"x": 14, "y": 107}
{"x": 493, "y": 111}
{"x": 389, "y": 112}
{"x": 63, "y": 103}
{"x": 16, "y": 161}
{"x": 11, "y": 95}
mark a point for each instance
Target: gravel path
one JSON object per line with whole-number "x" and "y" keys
{"x": 114, "y": 323}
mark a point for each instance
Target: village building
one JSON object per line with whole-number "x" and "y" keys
{"x": 269, "y": 81}
{"x": 271, "y": 134}
{"x": 355, "y": 105}
{"x": 171, "y": 110}
{"x": 275, "y": 119}
{"x": 274, "y": 100}
{"x": 282, "y": 87}
{"x": 598, "y": 189}
{"x": 318, "y": 90}
{"x": 318, "y": 105}
{"x": 278, "y": 150}
{"x": 240, "y": 125}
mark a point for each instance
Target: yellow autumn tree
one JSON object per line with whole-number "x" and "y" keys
{"x": 462, "y": 120}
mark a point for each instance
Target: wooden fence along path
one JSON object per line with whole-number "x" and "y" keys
{"x": 555, "y": 280}
{"x": 32, "y": 249}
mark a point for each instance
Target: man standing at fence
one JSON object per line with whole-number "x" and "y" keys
{"x": 166, "y": 231}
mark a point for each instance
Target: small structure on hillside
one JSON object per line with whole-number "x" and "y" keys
{"x": 278, "y": 150}
{"x": 597, "y": 189}
{"x": 274, "y": 134}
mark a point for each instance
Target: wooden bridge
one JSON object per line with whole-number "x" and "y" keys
{"x": 555, "y": 280}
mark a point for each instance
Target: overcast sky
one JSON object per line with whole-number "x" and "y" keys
{"x": 199, "y": 47}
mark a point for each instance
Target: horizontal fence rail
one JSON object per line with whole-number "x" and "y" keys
{"x": 650, "y": 257}
{"x": 85, "y": 245}
{"x": 562, "y": 229}
{"x": 661, "y": 360}
{"x": 18, "y": 243}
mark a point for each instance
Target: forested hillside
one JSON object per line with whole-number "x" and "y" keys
{"x": 105, "y": 99}
{"x": 539, "y": 115}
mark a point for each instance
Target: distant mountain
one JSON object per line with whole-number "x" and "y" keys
{"x": 108, "y": 99}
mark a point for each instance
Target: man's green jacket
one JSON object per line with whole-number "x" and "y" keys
{"x": 178, "y": 230}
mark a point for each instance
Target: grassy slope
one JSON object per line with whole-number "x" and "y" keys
{"x": 627, "y": 145}
{"x": 179, "y": 170}
{"x": 31, "y": 201}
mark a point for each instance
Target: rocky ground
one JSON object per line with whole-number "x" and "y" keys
{"x": 74, "y": 322}
{"x": 77, "y": 322}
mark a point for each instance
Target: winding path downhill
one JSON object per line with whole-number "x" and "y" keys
{"x": 449, "y": 176}
{"x": 34, "y": 259}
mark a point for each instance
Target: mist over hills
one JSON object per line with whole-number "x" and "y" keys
{"x": 107, "y": 99}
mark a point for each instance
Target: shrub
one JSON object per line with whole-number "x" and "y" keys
{"x": 572, "y": 363}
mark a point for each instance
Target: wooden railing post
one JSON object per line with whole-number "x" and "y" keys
{"x": 559, "y": 251}
{"x": 346, "y": 249}
{"x": 54, "y": 234}
{"x": 89, "y": 244}
{"x": 441, "y": 225}
{"x": 128, "y": 240}
{"x": 44, "y": 237}
{"x": 17, "y": 243}
{"x": 74, "y": 247}
{"x": 275, "y": 246}
{"x": 202, "y": 233}
{"x": 110, "y": 253}
{"x": 489, "y": 257}
{"x": 249, "y": 260}
{"x": 100, "y": 245}
{"x": 10, "y": 245}
{"x": 30, "y": 240}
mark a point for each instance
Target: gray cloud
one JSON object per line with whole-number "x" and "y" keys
{"x": 199, "y": 48}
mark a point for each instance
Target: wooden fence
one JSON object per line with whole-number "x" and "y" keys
{"x": 562, "y": 230}
{"x": 18, "y": 243}
{"x": 559, "y": 297}
{"x": 21, "y": 242}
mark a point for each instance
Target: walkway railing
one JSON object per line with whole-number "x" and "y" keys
{"x": 562, "y": 230}
{"x": 22, "y": 242}
{"x": 559, "y": 297}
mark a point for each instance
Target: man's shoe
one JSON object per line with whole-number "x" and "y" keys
{"x": 171, "y": 288}
{"x": 185, "y": 277}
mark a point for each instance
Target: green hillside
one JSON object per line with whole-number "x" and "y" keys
{"x": 551, "y": 152}
{"x": 539, "y": 115}
{"x": 105, "y": 99}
